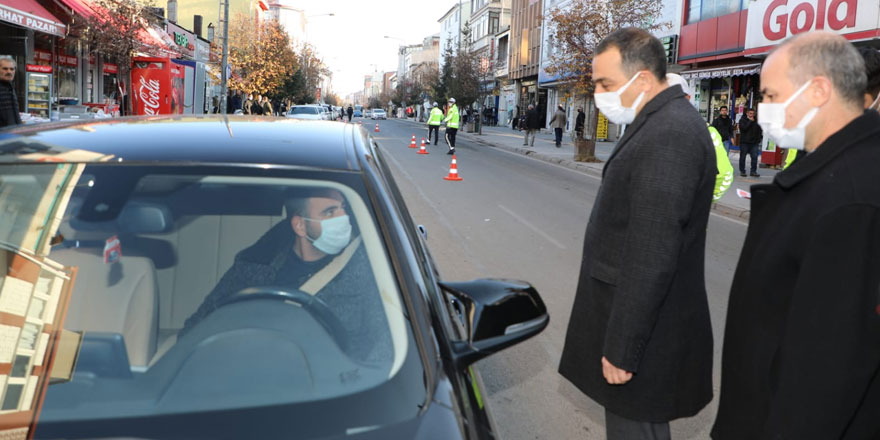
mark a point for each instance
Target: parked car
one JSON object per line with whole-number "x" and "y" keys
{"x": 174, "y": 255}
{"x": 378, "y": 113}
{"x": 357, "y": 114}
{"x": 308, "y": 112}
{"x": 368, "y": 113}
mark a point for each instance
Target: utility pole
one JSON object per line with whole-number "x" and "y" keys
{"x": 225, "y": 62}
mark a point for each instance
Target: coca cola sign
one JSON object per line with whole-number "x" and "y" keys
{"x": 148, "y": 93}
{"x": 770, "y": 22}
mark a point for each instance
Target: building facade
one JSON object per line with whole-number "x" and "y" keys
{"x": 525, "y": 54}
{"x": 451, "y": 25}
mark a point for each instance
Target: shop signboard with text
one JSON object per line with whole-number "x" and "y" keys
{"x": 770, "y": 22}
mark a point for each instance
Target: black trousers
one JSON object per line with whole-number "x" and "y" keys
{"x": 435, "y": 129}
{"x": 558, "y": 133}
{"x": 748, "y": 150}
{"x": 620, "y": 428}
{"x": 450, "y": 137}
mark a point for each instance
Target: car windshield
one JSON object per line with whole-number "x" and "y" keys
{"x": 305, "y": 110}
{"x": 175, "y": 301}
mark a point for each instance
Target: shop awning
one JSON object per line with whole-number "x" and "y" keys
{"x": 78, "y": 7}
{"x": 29, "y": 14}
{"x": 722, "y": 72}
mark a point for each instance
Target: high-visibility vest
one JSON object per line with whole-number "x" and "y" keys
{"x": 724, "y": 178}
{"x": 790, "y": 156}
{"x": 436, "y": 117}
{"x": 452, "y": 119}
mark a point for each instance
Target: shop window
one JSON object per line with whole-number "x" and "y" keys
{"x": 699, "y": 10}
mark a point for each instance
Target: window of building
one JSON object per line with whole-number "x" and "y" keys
{"x": 699, "y": 10}
{"x": 493, "y": 25}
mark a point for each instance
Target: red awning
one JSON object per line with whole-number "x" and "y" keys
{"x": 29, "y": 14}
{"x": 79, "y": 7}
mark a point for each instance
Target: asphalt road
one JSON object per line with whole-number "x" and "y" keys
{"x": 516, "y": 217}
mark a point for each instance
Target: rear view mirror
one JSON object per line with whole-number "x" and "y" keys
{"x": 497, "y": 314}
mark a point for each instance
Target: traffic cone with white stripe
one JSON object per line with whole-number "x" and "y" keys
{"x": 423, "y": 150}
{"x": 412, "y": 143}
{"x": 377, "y": 128}
{"x": 453, "y": 171}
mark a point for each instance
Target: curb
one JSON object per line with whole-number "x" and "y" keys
{"x": 733, "y": 212}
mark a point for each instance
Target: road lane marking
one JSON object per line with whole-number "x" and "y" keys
{"x": 533, "y": 228}
{"x": 440, "y": 216}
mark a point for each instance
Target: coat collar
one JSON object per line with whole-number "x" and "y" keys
{"x": 650, "y": 108}
{"x": 866, "y": 125}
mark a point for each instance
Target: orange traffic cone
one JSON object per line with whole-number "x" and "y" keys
{"x": 423, "y": 150}
{"x": 412, "y": 143}
{"x": 453, "y": 171}
{"x": 377, "y": 128}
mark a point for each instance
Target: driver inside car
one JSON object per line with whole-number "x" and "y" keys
{"x": 314, "y": 251}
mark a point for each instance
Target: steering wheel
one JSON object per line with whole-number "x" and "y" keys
{"x": 314, "y": 305}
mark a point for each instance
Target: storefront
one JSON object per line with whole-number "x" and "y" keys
{"x": 29, "y": 33}
{"x": 736, "y": 87}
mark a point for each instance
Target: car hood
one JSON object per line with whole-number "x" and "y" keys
{"x": 439, "y": 422}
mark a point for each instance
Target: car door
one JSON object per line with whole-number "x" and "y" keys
{"x": 447, "y": 318}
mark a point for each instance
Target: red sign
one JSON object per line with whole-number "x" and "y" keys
{"x": 42, "y": 55}
{"x": 157, "y": 86}
{"x": 39, "y": 69}
{"x": 68, "y": 60}
{"x": 771, "y": 21}
{"x": 110, "y": 68}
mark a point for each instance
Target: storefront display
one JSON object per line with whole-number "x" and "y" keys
{"x": 39, "y": 90}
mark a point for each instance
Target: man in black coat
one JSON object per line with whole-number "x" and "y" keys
{"x": 580, "y": 123}
{"x": 9, "y": 114}
{"x": 724, "y": 125}
{"x": 639, "y": 340}
{"x": 801, "y": 355}
{"x": 533, "y": 124}
{"x": 750, "y": 135}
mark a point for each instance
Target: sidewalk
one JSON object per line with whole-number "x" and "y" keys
{"x": 504, "y": 138}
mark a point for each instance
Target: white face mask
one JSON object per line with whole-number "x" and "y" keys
{"x": 335, "y": 234}
{"x": 873, "y": 105}
{"x": 771, "y": 118}
{"x": 610, "y": 105}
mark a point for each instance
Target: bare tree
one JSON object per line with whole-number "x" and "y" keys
{"x": 576, "y": 30}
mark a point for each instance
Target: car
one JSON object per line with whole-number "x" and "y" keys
{"x": 236, "y": 277}
{"x": 368, "y": 113}
{"x": 357, "y": 114}
{"x": 378, "y": 113}
{"x": 308, "y": 112}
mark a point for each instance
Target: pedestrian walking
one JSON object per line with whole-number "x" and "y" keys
{"x": 9, "y": 114}
{"x": 248, "y": 105}
{"x": 350, "y": 112}
{"x": 267, "y": 107}
{"x": 434, "y": 122}
{"x": 559, "y": 122}
{"x": 801, "y": 357}
{"x": 515, "y": 118}
{"x": 236, "y": 103}
{"x": 532, "y": 125}
{"x": 750, "y": 135}
{"x": 580, "y": 123}
{"x": 452, "y": 123}
{"x": 639, "y": 340}
{"x": 724, "y": 125}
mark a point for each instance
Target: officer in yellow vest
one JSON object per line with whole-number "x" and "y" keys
{"x": 434, "y": 121}
{"x": 452, "y": 123}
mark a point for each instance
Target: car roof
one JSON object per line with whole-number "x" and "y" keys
{"x": 214, "y": 139}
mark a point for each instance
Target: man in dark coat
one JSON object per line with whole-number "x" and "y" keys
{"x": 724, "y": 125}
{"x": 290, "y": 254}
{"x": 750, "y": 135}
{"x": 580, "y": 123}
{"x": 349, "y": 111}
{"x": 801, "y": 355}
{"x": 639, "y": 340}
{"x": 9, "y": 114}
{"x": 533, "y": 124}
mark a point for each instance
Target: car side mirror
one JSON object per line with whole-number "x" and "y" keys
{"x": 497, "y": 314}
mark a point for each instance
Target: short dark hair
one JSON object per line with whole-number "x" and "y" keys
{"x": 872, "y": 69}
{"x": 298, "y": 205}
{"x": 749, "y": 109}
{"x": 723, "y": 107}
{"x": 639, "y": 50}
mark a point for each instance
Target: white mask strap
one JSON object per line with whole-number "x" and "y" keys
{"x": 796, "y": 94}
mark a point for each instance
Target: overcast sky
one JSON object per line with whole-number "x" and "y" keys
{"x": 352, "y": 42}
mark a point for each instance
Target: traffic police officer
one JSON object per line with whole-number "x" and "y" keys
{"x": 452, "y": 123}
{"x": 434, "y": 122}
